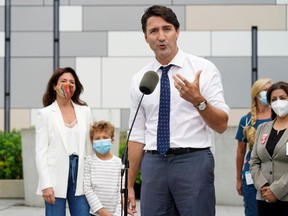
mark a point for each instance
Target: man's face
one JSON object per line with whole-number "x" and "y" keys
{"x": 162, "y": 39}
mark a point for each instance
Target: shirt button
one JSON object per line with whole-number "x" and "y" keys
{"x": 270, "y": 172}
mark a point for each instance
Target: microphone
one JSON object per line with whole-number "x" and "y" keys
{"x": 147, "y": 86}
{"x": 149, "y": 82}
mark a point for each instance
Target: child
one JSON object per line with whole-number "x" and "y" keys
{"x": 102, "y": 173}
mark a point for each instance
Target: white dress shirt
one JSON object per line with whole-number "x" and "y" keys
{"x": 187, "y": 128}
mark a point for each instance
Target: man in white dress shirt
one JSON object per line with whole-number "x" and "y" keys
{"x": 178, "y": 180}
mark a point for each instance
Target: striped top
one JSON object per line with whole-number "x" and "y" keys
{"x": 102, "y": 180}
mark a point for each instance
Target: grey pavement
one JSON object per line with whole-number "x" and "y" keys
{"x": 13, "y": 207}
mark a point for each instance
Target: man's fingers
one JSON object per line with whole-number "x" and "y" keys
{"x": 181, "y": 81}
{"x": 197, "y": 76}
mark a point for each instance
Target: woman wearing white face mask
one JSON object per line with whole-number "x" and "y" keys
{"x": 260, "y": 112}
{"x": 269, "y": 160}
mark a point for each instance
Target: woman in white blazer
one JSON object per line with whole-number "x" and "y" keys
{"x": 62, "y": 142}
{"x": 269, "y": 160}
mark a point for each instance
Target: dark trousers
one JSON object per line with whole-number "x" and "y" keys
{"x": 178, "y": 185}
{"x": 279, "y": 208}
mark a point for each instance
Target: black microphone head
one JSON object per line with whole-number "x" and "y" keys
{"x": 149, "y": 82}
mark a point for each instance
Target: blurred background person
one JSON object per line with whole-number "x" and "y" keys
{"x": 260, "y": 113}
{"x": 269, "y": 159}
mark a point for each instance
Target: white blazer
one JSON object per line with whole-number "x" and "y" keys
{"x": 52, "y": 155}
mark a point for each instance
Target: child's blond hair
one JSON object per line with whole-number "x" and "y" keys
{"x": 102, "y": 126}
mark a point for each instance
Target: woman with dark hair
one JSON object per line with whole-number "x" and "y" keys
{"x": 50, "y": 94}
{"x": 269, "y": 158}
{"x": 62, "y": 142}
{"x": 260, "y": 112}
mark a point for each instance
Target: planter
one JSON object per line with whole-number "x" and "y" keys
{"x": 11, "y": 188}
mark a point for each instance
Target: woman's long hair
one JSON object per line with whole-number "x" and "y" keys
{"x": 50, "y": 95}
{"x": 249, "y": 130}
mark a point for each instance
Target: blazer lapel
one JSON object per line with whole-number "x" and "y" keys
{"x": 283, "y": 140}
{"x": 81, "y": 120}
{"x": 60, "y": 124}
{"x": 266, "y": 133}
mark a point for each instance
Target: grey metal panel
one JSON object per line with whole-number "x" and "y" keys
{"x": 219, "y": 2}
{"x": 1, "y": 82}
{"x": 236, "y": 76}
{"x": 236, "y": 79}
{"x": 61, "y": 2}
{"x": 26, "y": 2}
{"x": 275, "y": 68}
{"x": 29, "y": 77}
{"x": 68, "y": 62}
{"x": 119, "y": 18}
{"x": 31, "y": 44}
{"x": 2, "y": 20}
{"x": 83, "y": 44}
{"x": 32, "y": 18}
{"x": 122, "y": 2}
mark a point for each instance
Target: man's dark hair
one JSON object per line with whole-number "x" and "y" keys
{"x": 161, "y": 11}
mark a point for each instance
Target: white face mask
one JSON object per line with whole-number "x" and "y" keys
{"x": 280, "y": 107}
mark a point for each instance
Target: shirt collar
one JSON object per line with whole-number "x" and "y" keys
{"x": 178, "y": 61}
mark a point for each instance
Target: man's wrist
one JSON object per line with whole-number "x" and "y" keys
{"x": 202, "y": 105}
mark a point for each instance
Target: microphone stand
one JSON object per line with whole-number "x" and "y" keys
{"x": 125, "y": 162}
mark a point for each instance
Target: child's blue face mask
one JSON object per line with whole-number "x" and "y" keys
{"x": 263, "y": 98}
{"x": 102, "y": 146}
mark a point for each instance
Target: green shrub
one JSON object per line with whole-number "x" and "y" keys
{"x": 121, "y": 152}
{"x": 10, "y": 155}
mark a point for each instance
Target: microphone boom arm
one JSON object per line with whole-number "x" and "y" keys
{"x": 125, "y": 162}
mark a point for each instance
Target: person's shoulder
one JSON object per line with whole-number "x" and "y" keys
{"x": 266, "y": 124}
{"x": 47, "y": 108}
{"x": 200, "y": 62}
{"x": 245, "y": 120}
{"x": 195, "y": 57}
{"x": 83, "y": 107}
{"x": 246, "y": 116}
{"x": 117, "y": 159}
{"x": 189, "y": 55}
{"x": 88, "y": 160}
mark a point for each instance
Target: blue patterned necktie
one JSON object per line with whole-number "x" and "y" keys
{"x": 163, "y": 130}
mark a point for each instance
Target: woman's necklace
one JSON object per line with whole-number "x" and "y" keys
{"x": 68, "y": 114}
